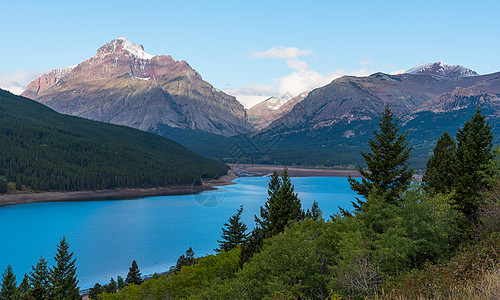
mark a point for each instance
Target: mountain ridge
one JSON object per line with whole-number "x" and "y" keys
{"x": 110, "y": 86}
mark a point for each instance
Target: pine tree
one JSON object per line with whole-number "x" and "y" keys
{"x": 24, "y": 288}
{"x": 134, "y": 274}
{"x": 111, "y": 286}
{"x": 185, "y": 260}
{"x": 274, "y": 187}
{"x": 40, "y": 280}
{"x": 63, "y": 274}
{"x": 9, "y": 285}
{"x": 441, "y": 169}
{"x": 120, "y": 282}
{"x": 387, "y": 171}
{"x": 282, "y": 207}
{"x": 234, "y": 234}
{"x": 286, "y": 206}
{"x": 473, "y": 160}
{"x": 95, "y": 291}
{"x": 315, "y": 213}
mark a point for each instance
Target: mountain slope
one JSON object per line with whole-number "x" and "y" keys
{"x": 263, "y": 114}
{"x": 49, "y": 151}
{"x": 124, "y": 85}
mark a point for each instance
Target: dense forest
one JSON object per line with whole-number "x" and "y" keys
{"x": 44, "y": 150}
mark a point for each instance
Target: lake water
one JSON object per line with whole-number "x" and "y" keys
{"x": 106, "y": 236}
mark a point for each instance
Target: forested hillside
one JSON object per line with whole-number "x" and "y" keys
{"x": 45, "y": 150}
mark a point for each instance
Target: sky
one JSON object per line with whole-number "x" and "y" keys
{"x": 253, "y": 49}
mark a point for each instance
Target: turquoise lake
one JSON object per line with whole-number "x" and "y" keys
{"x": 106, "y": 236}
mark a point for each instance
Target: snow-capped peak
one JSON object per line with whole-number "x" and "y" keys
{"x": 131, "y": 47}
{"x": 274, "y": 103}
{"x": 442, "y": 69}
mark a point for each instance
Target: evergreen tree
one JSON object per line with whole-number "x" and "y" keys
{"x": 473, "y": 162}
{"x": 274, "y": 187}
{"x": 287, "y": 207}
{"x": 40, "y": 280}
{"x": 185, "y": 260}
{"x": 63, "y": 274}
{"x": 120, "y": 282}
{"x": 282, "y": 207}
{"x": 387, "y": 171}
{"x": 111, "y": 286}
{"x": 9, "y": 285}
{"x": 440, "y": 173}
{"x": 95, "y": 291}
{"x": 134, "y": 274}
{"x": 315, "y": 213}
{"x": 24, "y": 288}
{"x": 234, "y": 234}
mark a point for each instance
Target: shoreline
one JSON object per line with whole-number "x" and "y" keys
{"x": 237, "y": 170}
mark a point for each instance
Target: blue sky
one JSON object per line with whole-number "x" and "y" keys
{"x": 254, "y": 49}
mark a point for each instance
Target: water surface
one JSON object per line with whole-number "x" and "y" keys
{"x": 106, "y": 236}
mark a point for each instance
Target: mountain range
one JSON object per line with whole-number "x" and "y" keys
{"x": 122, "y": 84}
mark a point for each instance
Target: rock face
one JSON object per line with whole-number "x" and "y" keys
{"x": 264, "y": 113}
{"x": 124, "y": 85}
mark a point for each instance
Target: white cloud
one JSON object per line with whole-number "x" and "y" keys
{"x": 282, "y": 52}
{"x": 301, "y": 78}
{"x": 252, "y": 94}
{"x": 397, "y": 72}
{"x": 17, "y": 82}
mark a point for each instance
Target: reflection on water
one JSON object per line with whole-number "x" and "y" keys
{"x": 106, "y": 236}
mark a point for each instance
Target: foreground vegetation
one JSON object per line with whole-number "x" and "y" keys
{"x": 404, "y": 240}
{"x": 44, "y": 150}
{"x": 435, "y": 239}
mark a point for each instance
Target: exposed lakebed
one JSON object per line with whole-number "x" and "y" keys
{"x": 106, "y": 236}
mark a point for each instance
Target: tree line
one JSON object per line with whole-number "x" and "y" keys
{"x": 43, "y": 150}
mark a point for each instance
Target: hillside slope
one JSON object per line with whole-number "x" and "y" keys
{"x": 45, "y": 150}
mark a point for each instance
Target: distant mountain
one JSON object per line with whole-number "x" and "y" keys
{"x": 124, "y": 85}
{"x": 264, "y": 113}
{"x": 45, "y": 150}
{"x": 334, "y": 122}
{"x": 442, "y": 69}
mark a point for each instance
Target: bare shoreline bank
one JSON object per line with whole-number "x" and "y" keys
{"x": 131, "y": 193}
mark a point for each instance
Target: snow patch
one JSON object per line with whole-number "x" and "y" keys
{"x": 131, "y": 47}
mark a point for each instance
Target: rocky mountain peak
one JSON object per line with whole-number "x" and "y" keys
{"x": 442, "y": 69}
{"x": 124, "y": 45}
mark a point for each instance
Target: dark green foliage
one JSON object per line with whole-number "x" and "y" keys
{"x": 120, "y": 283}
{"x": 282, "y": 208}
{"x": 185, "y": 260}
{"x": 234, "y": 234}
{"x": 441, "y": 166}
{"x": 315, "y": 213}
{"x": 111, "y": 287}
{"x": 387, "y": 171}
{"x": 474, "y": 156}
{"x": 3, "y": 185}
{"x": 63, "y": 274}
{"x": 40, "y": 280}
{"x": 9, "y": 285}
{"x": 24, "y": 288}
{"x": 291, "y": 265}
{"x": 95, "y": 291}
{"x": 134, "y": 274}
{"x": 45, "y": 150}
